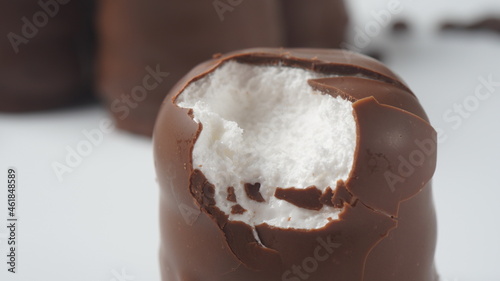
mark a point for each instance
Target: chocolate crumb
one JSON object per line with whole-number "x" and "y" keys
{"x": 253, "y": 192}
{"x": 202, "y": 190}
{"x": 231, "y": 196}
{"x": 237, "y": 209}
{"x": 342, "y": 195}
{"x": 209, "y": 190}
{"x": 308, "y": 198}
{"x": 326, "y": 197}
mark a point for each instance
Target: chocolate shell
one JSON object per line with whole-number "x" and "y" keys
{"x": 387, "y": 227}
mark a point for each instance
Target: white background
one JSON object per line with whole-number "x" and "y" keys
{"x": 102, "y": 220}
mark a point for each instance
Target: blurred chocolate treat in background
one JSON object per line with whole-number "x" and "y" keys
{"x": 146, "y": 46}
{"x": 490, "y": 23}
{"x": 314, "y": 24}
{"x": 400, "y": 27}
{"x": 45, "y": 54}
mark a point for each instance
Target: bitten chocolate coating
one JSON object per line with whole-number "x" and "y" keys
{"x": 174, "y": 36}
{"x": 45, "y": 54}
{"x": 387, "y": 227}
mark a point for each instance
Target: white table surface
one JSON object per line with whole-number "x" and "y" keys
{"x": 101, "y": 221}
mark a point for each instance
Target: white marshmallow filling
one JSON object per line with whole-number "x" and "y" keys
{"x": 265, "y": 124}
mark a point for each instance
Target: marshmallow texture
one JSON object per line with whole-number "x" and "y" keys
{"x": 265, "y": 124}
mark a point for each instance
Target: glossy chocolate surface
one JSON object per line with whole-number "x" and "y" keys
{"x": 387, "y": 227}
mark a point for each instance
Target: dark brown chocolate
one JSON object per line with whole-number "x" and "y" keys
{"x": 307, "y": 198}
{"x": 253, "y": 192}
{"x": 342, "y": 196}
{"x": 173, "y": 36}
{"x": 231, "y": 196}
{"x": 326, "y": 197}
{"x": 387, "y": 227}
{"x": 45, "y": 52}
{"x": 317, "y": 24}
{"x": 237, "y": 209}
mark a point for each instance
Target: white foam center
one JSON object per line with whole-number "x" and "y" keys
{"x": 265, "y": 124}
